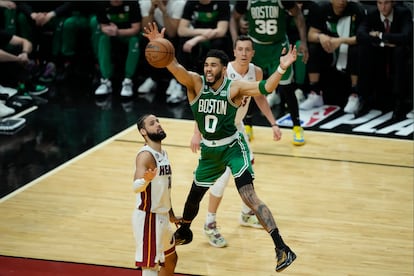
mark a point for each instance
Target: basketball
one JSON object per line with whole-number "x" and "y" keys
{"x": 159, "y": 52}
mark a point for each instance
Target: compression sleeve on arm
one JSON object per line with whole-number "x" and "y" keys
{"x": 139, "y": 185}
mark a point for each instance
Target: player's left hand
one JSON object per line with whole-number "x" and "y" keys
{"x": 195, "y": 142}
{"x": 287, "y": 59}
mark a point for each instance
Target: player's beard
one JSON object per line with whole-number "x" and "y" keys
{"x": 216, "y": 78}
{"x": 157, "y": 136}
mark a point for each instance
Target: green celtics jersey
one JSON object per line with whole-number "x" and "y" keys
{"x": 214, "y": 111}
{"x": 267, "y": 21}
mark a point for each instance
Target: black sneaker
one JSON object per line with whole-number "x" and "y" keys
{"x": 285, "y": 257}
{"x": 183, "y": 236}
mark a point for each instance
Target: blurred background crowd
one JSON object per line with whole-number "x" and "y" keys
{"x": 360, "y": 53}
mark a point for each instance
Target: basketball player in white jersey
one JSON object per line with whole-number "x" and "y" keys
{"x": 240, "y": 68}
{"x": 155, "y": 244}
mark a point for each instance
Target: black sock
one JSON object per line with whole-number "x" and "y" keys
{"x": 314, "y": 86}
{"x": 277, "y": 239}
{"x": 354, "y": 90}
{"x": 288, "y": 92}
{"x": 248, "y": 120}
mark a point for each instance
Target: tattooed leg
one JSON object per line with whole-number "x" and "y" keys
{"x": 262, "y": 212}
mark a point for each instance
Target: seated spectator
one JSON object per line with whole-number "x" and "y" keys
{"x": 120, "y": 23}
{"x": 43, "y": 21}
{"x": 77, "y": 38}
{"x": 166, "y": 14}
{"x": 204, "y": 26}
{"x": 385, "y": 39}
{"x": 15, "y": 76}
{"x": 333, "y": 46}
{"x": 7, "y": 16}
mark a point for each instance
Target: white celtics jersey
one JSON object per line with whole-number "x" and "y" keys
{"x": 249, "y": 76}
{"x": 156, "y": 197}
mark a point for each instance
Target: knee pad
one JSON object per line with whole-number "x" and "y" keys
{"x": 217, "y": 189}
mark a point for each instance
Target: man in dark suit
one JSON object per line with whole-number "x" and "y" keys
{"x": 385, "y": 38}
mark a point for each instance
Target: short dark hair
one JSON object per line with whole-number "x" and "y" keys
{"x": 140, "y": 122}
{"x": 243, "y": 38}
{"x": 221, "y": 55}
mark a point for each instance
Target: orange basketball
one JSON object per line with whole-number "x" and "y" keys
{"x": 159, "y": 52}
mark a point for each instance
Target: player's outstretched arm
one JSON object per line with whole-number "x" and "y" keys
{"x": 286, "y": 59}
{"x": 242, "y": 88}
{"x": 191, "y": 80}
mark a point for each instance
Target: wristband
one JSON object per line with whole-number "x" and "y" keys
{"x": 262, "y": 88}
{"x": 139, "y": 184}
{"x": 274, "y": 125}
{"x": 280, "y": 70}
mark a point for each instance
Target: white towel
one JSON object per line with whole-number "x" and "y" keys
{"x": 343, "y": 27}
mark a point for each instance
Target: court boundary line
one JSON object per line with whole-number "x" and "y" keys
{"x": 288, "y": 156}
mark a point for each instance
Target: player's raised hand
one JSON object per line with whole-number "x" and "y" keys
{"x": 287, "y": 59}
{"x": 151, "y": 31}
{"x": 149, "y": 174}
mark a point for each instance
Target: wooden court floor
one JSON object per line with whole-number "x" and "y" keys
{"x": 343, "y": 203}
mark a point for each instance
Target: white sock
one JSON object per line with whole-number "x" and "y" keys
{"x": 211, "y": 217}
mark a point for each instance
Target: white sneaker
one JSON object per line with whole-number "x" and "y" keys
{"x": 410, "y": 115}
{"x": 313, "y": 100}
{"x": 104, "y": 88}
{"x": 176, "y": 95}
{"x": 299, "y": 96}
{"x": 353, "y": 104}
{"x": 249, "y": 220}
{"x": 273, "y": 99}
{"x": 7, "y": 90}
{"x": 146, "y": 86}
{"x": 5, "y": 110}
{"x": 214, "y": 236}
{"x": 127, "y": 88}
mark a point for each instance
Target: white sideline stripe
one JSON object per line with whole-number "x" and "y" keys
{"x": 64, "y": 165}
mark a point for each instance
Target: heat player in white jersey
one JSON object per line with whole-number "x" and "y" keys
{"x": 154, "y": 237}
{"x": 240, "y": 68}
